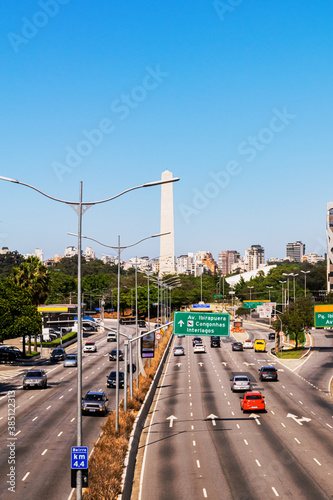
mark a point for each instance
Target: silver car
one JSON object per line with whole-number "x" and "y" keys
{"x": 70, "y": 360}
{"x": 240, "y": 383}
{"x": 35, "y": 378}
{"x": 95, "y": 402}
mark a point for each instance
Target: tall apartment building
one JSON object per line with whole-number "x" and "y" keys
{"x": 295, "y": 251}
{"x": 254, "y": 257}
{"x": 329, "y": 234}
{"x": 226, "y": 260}
{"x": 185, "y": 264}
{"x": 209, "y": 262}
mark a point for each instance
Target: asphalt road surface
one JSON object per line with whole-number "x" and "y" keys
{"x": 197, "y": 443}
{"x": 45, "y": 426}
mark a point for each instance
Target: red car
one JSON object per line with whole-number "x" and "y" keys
{"x": 252, "y": 401}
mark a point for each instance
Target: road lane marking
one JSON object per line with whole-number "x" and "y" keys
{"x": 191, "y": 414}
{"x": 238, "y": 426}
{"x": 192, "y": 427}
{"x": 34, "y": 419}
{"x": 31, "y": 398}
{"x": 48, "y": 407}
{"x": 25, "y": 477}
{"x": 282, "y": 424}
{"x": 194, "y": 443}
{"x": 69, "y": 390}
{"x": 17, "y": 433}
{"x": 73, "y": 419}
{"x": 297, "y": 441}
{"x": 276, "y": 493}
{"x": 258, "y": 463}
{"x": 204, "y": 492}
{"x": 317, "y": 461}
{"x": 328, "y": 425}
{"x": 246, "y": 442}
{"x": 198, "y": 464}
{"x": 272, "y": 412}
{"x": 60, "y": 433}
{"x": 44, "y": 451}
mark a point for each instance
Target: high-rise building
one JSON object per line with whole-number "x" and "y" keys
{"x": 226, "y": 260}
{"x": 254, "y": 257}
{"x": 167, "y": 242}
{"x": 185, "y": 264}
{"x": 295, "y": 251}
{"x": 329, "y": 234}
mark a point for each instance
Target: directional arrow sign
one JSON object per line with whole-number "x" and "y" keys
{"x": 212, "y": 417}
{"x": 200, "y": 363}
{"x": 224, "y": 363}
{"x": 179, "y": 365}
{"x": 202, "y": 323}
{"x": 171, "y": 418}
{"x": 297, "y": 419}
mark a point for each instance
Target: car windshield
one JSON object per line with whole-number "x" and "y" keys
{"x": 57, "y": 351}
{"x": 241, "y": 379}
{"x": 90, "y": 343}
{"x": 94, "y": 397}
{"x": 268, "y": 369}
{"x": 113, "y": 375}
{"x": 35, "y": 374}
{"x": 254, "y": 396}
{"x": 71, "y": 356}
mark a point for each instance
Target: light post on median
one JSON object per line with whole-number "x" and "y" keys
{"x": 119, "y": 249}
{"x": 305, "y": 273}
{"x": 293, "y": 275}
{"x": 269, "y": 291}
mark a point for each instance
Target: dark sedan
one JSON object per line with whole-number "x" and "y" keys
{"x": 237, "y": 346}
{"x": 113, "y": 355}
{"x": 268, "y": 373}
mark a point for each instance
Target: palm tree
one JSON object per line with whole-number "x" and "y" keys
{"x": 33, "y": 276}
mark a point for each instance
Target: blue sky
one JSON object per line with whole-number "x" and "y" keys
{"x": 233, "y": 97}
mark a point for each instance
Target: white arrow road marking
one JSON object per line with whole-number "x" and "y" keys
{"x": 280, "y": 370}
{"x": 200, "y": 363}
{"x": 178, "y": 364}
{"x": 224, "y": 363}
{"x": 212, "y": 417}
{"x": 171, "y": 418}
{"x": 248, "y": 364}
{"x": 297, "y": 419}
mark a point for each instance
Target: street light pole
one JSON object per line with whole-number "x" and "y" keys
{"x": 305, "y": 273}
{"x": 269, "y": 292}
{"x": 283, "y": 299}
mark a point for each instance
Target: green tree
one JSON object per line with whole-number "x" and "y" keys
{"x": 33, "y": 276}
{"x": 18, "y": 314}
{"x": 297, "y": 317}
{"x": 8, "y": 261}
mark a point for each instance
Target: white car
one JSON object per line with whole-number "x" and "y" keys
{"x": 90, "y": 346}
{"x": 199, "y": 348}
{"x": 248, "y": 344}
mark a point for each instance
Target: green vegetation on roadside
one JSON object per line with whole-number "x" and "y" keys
{"x": 56, "y": 342}
{"x": 291, "y": 354}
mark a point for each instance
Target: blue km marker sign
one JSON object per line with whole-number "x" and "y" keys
{"x": 79, "y": 457}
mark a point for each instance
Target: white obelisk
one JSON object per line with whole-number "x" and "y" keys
{"x": 167, "y": 243}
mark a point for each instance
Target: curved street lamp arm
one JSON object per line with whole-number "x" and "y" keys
{"x": 123, "y": 247}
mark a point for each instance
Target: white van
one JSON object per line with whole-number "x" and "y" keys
{"x": 111, "y": 337}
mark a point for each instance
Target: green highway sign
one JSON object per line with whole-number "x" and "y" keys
{"x": 323, "y": 315}
{"x": 252, "y": 304}
{"x": 201, "y": 323}
{"x": 217, "y": 296}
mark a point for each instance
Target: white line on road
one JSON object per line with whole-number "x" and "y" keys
{"x": 25, "y": 477}
{"x": 300, "y": 402}
{"x": 192, "y": 427}
{"x": 44, "y": 451}
{"x": 198, "y": 464}
{"x": 328, "y": 425}
{"x": 69, "y": 390}
{"x": 317, "y": 461}
{"x": 238, "y": 426}
{"x": 191, "y": 414}
{"x": 194, "y": 443}
{"x": 31, "y": 397}
{"x": 276, "y": 493}
{"x": 61, "y": 397}
{"x": 73, "y": 419}
{"x": 204, "y": 492}
{"x": 17, "y": 433}
{"x": 34, "y": 419}
{"x": 282, "y": 424}
{"x": 232, "y": 413}
{"x": 60, "y": 433}
{"x": 297, "y": 441}
{"x": 246, "y": 442}
{"x": 258, "y": 463}
{"x": 48, "y": 407}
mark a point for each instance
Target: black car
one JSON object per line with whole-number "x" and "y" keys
{"x": 268, "y": 373}
{"x": 196, "y": 340}
{"x": 111, "y": 379}
{"x": 237, "y": 346}
{"x": 113, "y": 355}
{"x": 7, "y": 355}
{"x": 215, "y": 342}
{"x": 271, "y": 336}
{"x": 58, "y": 354}
{"x": 13, "y": 349}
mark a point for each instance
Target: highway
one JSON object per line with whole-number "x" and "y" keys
{"x": 46, "y": 423}
{"x": 197, "y": 443}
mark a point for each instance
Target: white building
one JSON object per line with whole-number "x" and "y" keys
{"x": 312, "y": 258}
{"x": 295, "y": 251}
{"x": 254, "y": 257}
{"x": 89, "y": 254}
{"x": 70, "y": 252}
{"x": 185, "y": 264}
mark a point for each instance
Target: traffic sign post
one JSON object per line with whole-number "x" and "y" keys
{"x": 253, "y": 304}
{"x": 79, "y": 457}
{"x": 323, "y": 315}
{"x": 200, "y": 323}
